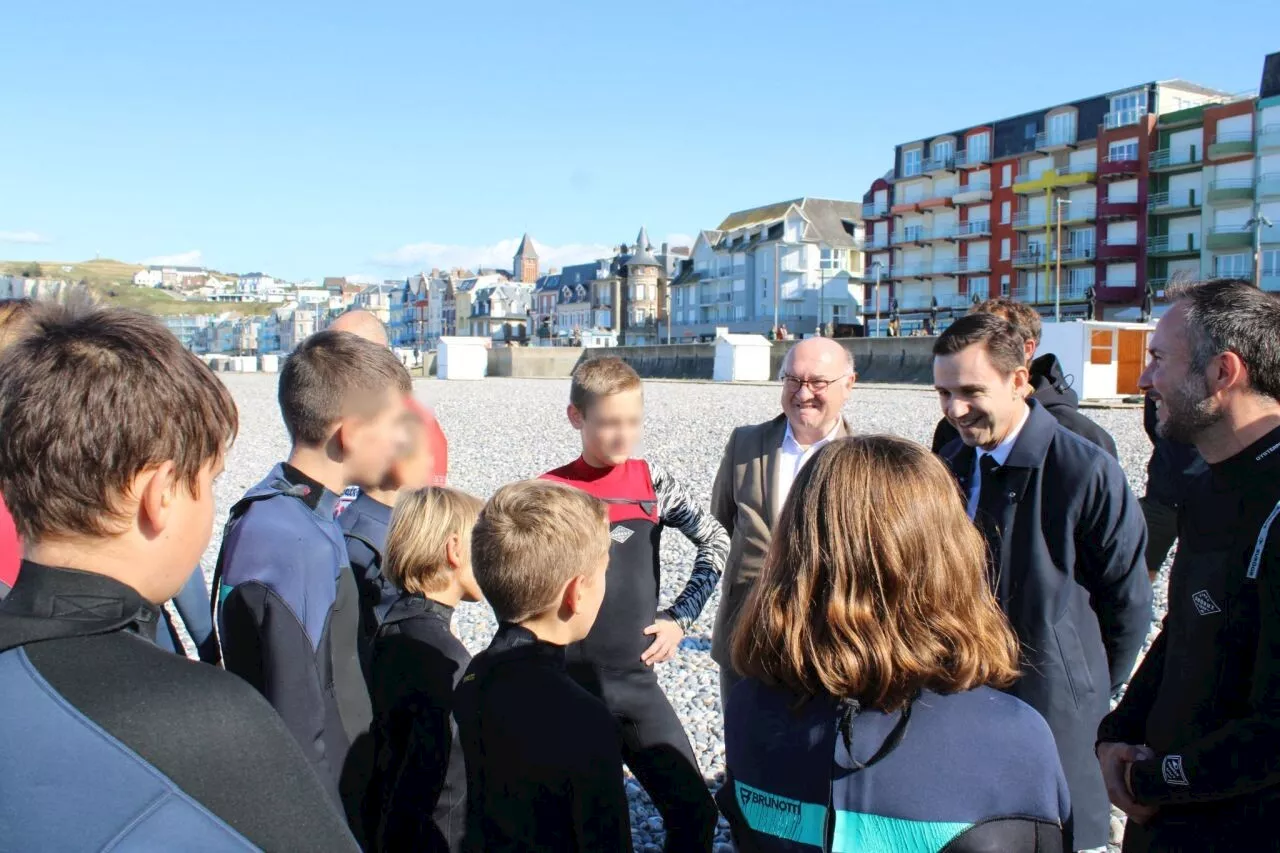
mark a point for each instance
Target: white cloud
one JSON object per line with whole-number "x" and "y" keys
{"x": 363, "y": 278}
{"x": 194, "y": 258}
{"x": 419, "y": 256}
{"x": 28, "y": 237}
{"x": 680, "y": 240}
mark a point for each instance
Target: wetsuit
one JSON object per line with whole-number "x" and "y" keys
{"x": 544, "y": 764}
{"x": 1207, "y": 696}
{"x": 10, "y": 550}
{"x": 192, "y": 604}
{"x": 970, "y": 772}
{"x": 418, "y": 799}
{"x": 288, "y": 618}
{"x": 643, "y": 499}
{"x": 110, "y": 743}
{"x": 364, "y": 524}
{"x": 1051, "y": 389}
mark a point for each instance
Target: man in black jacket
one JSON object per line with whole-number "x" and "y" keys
{"x": 1172, "y": 468}
{"x": 1047, "y": 384}
{"x": 106, "y": 741}
{"x": 1067, "y": 541}
{"x": 1190, "y": 753}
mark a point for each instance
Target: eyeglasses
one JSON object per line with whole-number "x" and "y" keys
{"x": 817, "y": 386}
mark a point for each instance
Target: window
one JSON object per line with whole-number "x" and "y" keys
{"x": 832, "y": 259}
{"x": 1004, "y": 251}
{"x": 1061, "y": 128}
{"x": 979, "y": 148}
{"x": 640, "y": 292}
{"x": 1127, "y": 109}
{"x": 1101, "y": 345}
{"x": 1271, "y": 262}
{"x": 1125, "y": 149}
{"x": 1004, "y": 285}
{"x": 739, "y": 285}
{"x": 739, "y": 312}
{"x": 1232, "y": 266}
{"x": 980, "y": 287}
{"x": 944, "y": 151}
{"x": 1006, "y": 210}
{"x": 911, "y": 162}
{"x": 1006, "y": 175}
{"x": 837, "y": 312}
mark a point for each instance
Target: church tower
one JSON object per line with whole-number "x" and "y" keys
{"x": 524, "y": 267}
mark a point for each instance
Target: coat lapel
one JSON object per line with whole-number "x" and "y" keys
{"x": 770, "y": 449}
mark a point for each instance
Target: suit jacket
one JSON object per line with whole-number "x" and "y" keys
{"x": 1068, "y": 541}
{"x": 745, "y": 501}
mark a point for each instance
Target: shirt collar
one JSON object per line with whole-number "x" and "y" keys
{"x": 789, "y": 442}
{"x": 316, "y": 495}
{"x": 1000, "y": 453}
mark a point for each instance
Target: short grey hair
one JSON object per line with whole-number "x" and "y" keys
{"x": 786, "y": 360}
{"x": 1231, "y": 315}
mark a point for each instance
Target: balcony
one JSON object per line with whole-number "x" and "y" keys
{"x": 1230, "y": 237}
{"x": 1174, "y": 160}
{"x": 1166, "y": 246}
{"x": 1269, "y": 185}
{"x": 972, "y": 265}
{"x": 1269, "y": 138}
{"x": 946, "y": 233}
{"x": 1043, "y": 294}
{"x": 972, "y": 159}
{"x": 1231, "y": 189}
{"x": 1119, "y": 164}
{"x": 1055, "y": 140}
{"x": 1029, "y": 220}
{"x": 875, "y": 243}
{"x": 1028, "y": 257}
{"x": 912, "y": 271}
{"x": 1119, "y": 207}
{"x": 1074, "y": 174}
{"x": 875, "y": 209}
{"x": 939, "y": 165}
{"x": 1232, "y": 144}
{"x": 973, "y": 193}
{"x": 1119, "y": 249}
{"x": 1124, "y": 118}
{"x": 940, "y": 198}
{"x": 1120, "y": 281}
{"x": 911, "y": 235}
{"x": 1166, "y": 204}
{"x": 941, "y": 268}
{"x": 974, "y": 228}
{"x": 1078, "y": 253}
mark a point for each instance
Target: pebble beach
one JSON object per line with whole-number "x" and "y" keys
{"x": 501, "y": 430}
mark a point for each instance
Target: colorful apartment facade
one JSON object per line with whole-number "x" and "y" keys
{"x": 1050, "y": 207}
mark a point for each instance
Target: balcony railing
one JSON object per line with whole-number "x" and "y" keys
{"x": 979, "y": 264}
{"x": 910, "y": 234}
{"x": 1055, "y": 139}
{"x": 1173, "y": 245}
{"x": 970, "y": 159}
{"x": 874, "y": 243}
{"x": 1168, "y": 158}
{"x": 939, "y": 164}
{"x": 1124, "y": 281}
{"x": 1230, "y": 188}
{"x": 1028, "y": 257}
{"x": 874, "y": 209}
{"x": 1233, "y": 136}
{"x": 1269, "y": 184}
{"x": 1269, "y": 137}
{"x": 974, "y": 228}
{"x": 1029, "y": 219}
{"x": 1123, "y": 118}
{"x": 1181, "y": 200}
{"x": 1076, "y": 169}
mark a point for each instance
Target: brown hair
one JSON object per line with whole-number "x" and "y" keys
{"x": 1023, "y": 317}
{"x": 334, "y": 375}
{"x": 417, "y": 540}
{"x": 875, "y": 586}
{"x": 15, "y": 321}
{"x": 1004, "y": 343}
{"x": 601, "y": 377}
{"x": 531, "y": 539}
{"x": 90, "y": 398}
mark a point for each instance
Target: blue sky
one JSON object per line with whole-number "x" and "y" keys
{"x": 312, "y": 139}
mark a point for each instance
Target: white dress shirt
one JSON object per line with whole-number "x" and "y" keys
{"x": 1000, "y": 453}
{"x": 791, "y": 458}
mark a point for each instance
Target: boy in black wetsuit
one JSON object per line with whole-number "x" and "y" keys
{"x": 418, "y": 797}
{"x": 544, "y": 764}
{"x": 615, "y": 661}
{"x": 111, "y": 436}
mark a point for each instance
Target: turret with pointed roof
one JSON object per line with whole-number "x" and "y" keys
{"x": 524, "y": 267}
{"x": 643, "y": 254}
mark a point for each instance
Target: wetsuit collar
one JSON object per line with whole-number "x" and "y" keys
{"x": 412, "y": 604}
{"x": 50, "y": 603}
{"x": 1251, "y": 465}
{"x": 513, "y": 638}
{"x": 311, "y": 492}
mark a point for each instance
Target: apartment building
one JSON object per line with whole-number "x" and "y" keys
{"x": 1049, "y": 207}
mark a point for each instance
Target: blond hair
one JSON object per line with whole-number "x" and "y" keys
{"x": 422, "y": 524}
{"x": 532, "y": 538}
{"x": 601, "y": 377}
{"x": 15, "y": 321}
{"x": 875, "y": 586}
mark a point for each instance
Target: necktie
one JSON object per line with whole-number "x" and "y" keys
{"x": 988, "y": 522}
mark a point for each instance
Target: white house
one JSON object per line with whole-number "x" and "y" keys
{"x": 255, "y": 283}
{"x": 311, "y": 296}
{"x": 149, "y": 277}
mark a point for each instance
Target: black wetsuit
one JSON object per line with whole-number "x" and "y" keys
{"x": 364, "y": 524}
{"x": 1050, "y": 388}
{"x": 643, "y": 499}
{"x": 1206, "y": 698}
{"x": 109, "y": 742}
{"x": 544, "y": 763}
{"x": 419, "y": 793}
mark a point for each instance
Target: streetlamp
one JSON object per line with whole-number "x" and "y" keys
{"x": 1257, "y": 222}
{"x": 877, "y": 267}
{"x": 1057, "y": 275}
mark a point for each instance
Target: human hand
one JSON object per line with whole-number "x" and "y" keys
{"x": 667, "y": 635}
{"x": 1116, "y": 760}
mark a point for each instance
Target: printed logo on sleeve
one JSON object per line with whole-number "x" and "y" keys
{"x": 621, "y": 534}
{"x": 1205, "y": 605}
{"x": 1171, "y": 769}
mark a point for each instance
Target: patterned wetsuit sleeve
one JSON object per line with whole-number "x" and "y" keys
{"x": 677, "y": 508}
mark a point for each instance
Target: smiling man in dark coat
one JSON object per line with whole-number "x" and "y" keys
{"x": 1067, "y": 540}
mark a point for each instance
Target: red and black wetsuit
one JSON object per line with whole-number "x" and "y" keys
{"x": 10, "y": 551}
{"x": 643, "y": 500}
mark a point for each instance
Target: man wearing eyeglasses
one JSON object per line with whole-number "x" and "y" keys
{"x": 759, "y": 466}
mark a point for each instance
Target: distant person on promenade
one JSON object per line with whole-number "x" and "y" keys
{"x": 288, "y": 607}
{"x": 1047, "y": 383}
{"x": 1066, "y": 542}
{"x": 107, "y": 742}
{"x": 1191, "y": 752}
{"x": 418, "y": 800}
{"x": 615, "y": 661}
{"x": 1172, "y": 470}
{"x": 759, "y": 465}
{"x": 873, "y": 653}
{"x": 543, "y": 754}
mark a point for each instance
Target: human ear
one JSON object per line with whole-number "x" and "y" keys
{"x": 453, "y": 552}
{"x": 157, "y": 492}
{"x": 575, "y": 416}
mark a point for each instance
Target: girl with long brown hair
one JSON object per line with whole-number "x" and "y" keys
{"x": 873, "y": 651}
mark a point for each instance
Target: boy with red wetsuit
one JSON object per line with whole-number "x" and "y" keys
{"x": 615, "y": 661}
